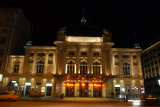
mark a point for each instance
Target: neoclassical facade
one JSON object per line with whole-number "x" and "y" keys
{"x": 78, "y": 66}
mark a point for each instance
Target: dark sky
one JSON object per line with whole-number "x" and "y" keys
{"x": 130, "y": 21}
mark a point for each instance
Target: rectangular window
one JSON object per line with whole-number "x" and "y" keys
{"x": 84, "y": 53}
{"x": 96, "y": 53}
{"x": 134, "y": 56}
{"x": 50, "y": 54}
{"x": 16, "y": 68}
{"x": 1, "y": 52}
{"x": 5, "y": 31}
{"x": 41, "y": 54}
{"x": 31, "y": 54}
{"x": 71, "y": 53}
{"x": 3, "y": 40}
{"x": 125, "y": 56}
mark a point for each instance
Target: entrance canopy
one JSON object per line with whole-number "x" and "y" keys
{"x": 84, "y": 78}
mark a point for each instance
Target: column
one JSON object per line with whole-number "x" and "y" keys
{"x": 108, "y": 62}
{"x": 90, "y": 60}
{"x": 46, "y": 63}
{"x": 77, "y": 62}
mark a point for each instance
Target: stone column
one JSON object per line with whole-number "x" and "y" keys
{"x": 90, "y": 60}
{"x": 77, "y": 62}
{"x": 108, "y": 62}
{"x": 46, "y": 63}
{"x": 34, "y": 63}
{"x": 132, "y": 72}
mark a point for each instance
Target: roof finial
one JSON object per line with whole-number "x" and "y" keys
{"x": 83, "y": 20}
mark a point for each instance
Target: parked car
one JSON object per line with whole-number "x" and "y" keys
{"x": 8, "y": 95}
{"x": 146, "y": 99}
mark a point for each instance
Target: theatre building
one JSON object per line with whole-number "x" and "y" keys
{"x": 81, "y": 64}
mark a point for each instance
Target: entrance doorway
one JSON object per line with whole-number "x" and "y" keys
{"x": 13, "y": 86}
{"x": 48, "y": 89}
{"x": 97, "y": 90}
{"x": 70, "y": 90}
{"x": 117, "y": 91}
{"x": 84, "y": 90}
{"x": 27, "y": 89}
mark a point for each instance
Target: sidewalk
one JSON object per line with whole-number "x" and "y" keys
{"x": 70, "y": 99}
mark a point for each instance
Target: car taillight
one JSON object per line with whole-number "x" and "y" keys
{"x": 15, "y": 96}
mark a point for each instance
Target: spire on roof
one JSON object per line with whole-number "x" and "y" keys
{"x": 83, "y": 20}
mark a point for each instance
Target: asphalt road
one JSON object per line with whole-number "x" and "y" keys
{"x": 63, "y": 104}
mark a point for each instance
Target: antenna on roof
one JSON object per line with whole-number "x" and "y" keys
{"x": 83, "y": 20}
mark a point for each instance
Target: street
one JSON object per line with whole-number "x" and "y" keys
{"x": 64, "y": 104}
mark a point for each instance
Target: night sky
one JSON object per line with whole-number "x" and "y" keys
{"x": 130, "y": 21}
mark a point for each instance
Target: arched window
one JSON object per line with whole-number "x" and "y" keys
{"x": 40, "y": 67}
{"x": 83, "y": 67}
{"x": 126, "y": 68}
{"x": 96, "y": 68}
{"x": 70, "y": 67}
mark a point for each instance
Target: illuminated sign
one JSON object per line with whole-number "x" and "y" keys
{"x": 49, "y": 84}
{"x": 1, "y": 76}
{"x": 70, "y": 85}
{"x": 117, "y": 85}
{"x": 42, "y": 89}
{"x": 97, "y": 85}
{"x": 14, "y": 81}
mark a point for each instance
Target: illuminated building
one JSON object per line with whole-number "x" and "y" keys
{"x": 14, "y": 32}
{"x": 151, "y": 68}
{"x": 82, "y": 64}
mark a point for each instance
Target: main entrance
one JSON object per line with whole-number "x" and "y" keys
{"x": 83, "y": 90}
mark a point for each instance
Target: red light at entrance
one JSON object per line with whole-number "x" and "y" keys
{"x": 83, "y": 84}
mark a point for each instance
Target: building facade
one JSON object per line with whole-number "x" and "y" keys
{"x": 151, "y": 68}
{"x": 80, "y": 65}
{"x": 14, "y": 32}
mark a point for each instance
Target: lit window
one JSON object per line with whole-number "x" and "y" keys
{"x": 96, "y": 68}
{"x": 83, "y": 67}
{"x": 16, "y": 68}
{"x": 40, "y": 67}
{"x": 126, "y": 68}
{"x": 70, "y": 67}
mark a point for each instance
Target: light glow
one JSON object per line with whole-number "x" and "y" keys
{"x": 97, "y": 85}
{"x": 83, "y": 39}
{"x": 136, "y": 102}
{"x": 83, "y": 84}
{"x": 117, "y": 85}
{"x": 70, "y": 85}
{"x": 77, "y": 84}
{"x": 42, "y": 89}
{"x": 1, "y": 76}
{"x": 14, "y": 81}
{"x": 49, "y": 84}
